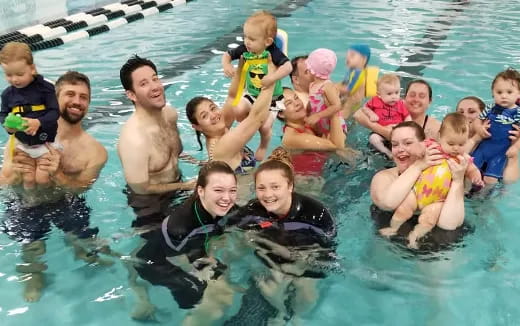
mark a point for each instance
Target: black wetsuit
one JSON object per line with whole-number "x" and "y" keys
{"x": 437, "y": 239}
{"x": 185, "y": 232}
{"x": 308, "y": 223}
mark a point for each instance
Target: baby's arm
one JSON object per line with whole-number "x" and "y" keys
{"x": 332, "y": 100}
{"x": 369, "y": 113}
{"x": 282, "y": 71}
{"x": 473, "y": 174}
{"x": 50, "y": 114}
{"x": 229, "y": 70}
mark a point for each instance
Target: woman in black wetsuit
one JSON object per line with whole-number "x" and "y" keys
{"x": 291, "y": 233}
{"x": 178, "y": 256}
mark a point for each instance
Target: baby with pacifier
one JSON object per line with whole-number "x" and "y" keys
{"x": 324, "y": 98}
{"x": 260, "y": 31}
{"x": 491, "y": 154}
{"x": 386, "y": 108}
{"x": 432, "y": 186}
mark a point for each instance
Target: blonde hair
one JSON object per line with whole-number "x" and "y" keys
{"x": 16, "y": 51}
{"x": 267, "y": 22}
{"x": 388, "y": 79}
{"x": 455, "y": 122}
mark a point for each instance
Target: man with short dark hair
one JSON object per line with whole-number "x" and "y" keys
{"x": 301, "y": 78}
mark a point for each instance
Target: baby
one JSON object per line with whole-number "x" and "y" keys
{"x": 386, "y": 108}
{"x": 490, "y": 154}
{"x": 353, "y": 85}
{"x": 433, "y": 185}
{"x": 34, "y": 99}
{"x": 324, "y": 98}
{"x": 259, "y": 35}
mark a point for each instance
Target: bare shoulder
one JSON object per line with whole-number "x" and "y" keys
{"x": 96, "y": 150}
{"x": 383, "y": 178}
{"x": 132, "y": 137}
{"x": 170, "y": 114}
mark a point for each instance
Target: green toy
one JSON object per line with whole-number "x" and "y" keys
{"x": 15, "y": 121}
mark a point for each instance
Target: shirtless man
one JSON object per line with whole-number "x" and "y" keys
{"x": 72, "y": 171}
{"x": 301, "y": 78}
{"x": 149, "y": 145}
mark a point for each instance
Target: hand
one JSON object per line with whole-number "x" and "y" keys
{"x": 514, "y": 136}
{"x": 32, "y": 126}
{"x": 268, "y": 80}
{"x": 478, "y": 181}
{"x": 50, "y": 161}
{"x": 481, "y": 129}
{"x": 432, "y": 156}
{"x": 458, "y": 169}
{"x": 372, "y": 116}
{"x": 188, "y": 185}
{"x": 23, "y": 163}
{"x": 312, "y": 119}
{"x": 229, "y": 70}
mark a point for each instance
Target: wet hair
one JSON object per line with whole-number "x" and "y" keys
{"x": 419, "y": 131}
{"x": 294, "y": 64}
{"x": 480, "y": 103}
{"x": 131, "y": 65}
{"x": 508, "y": 74}
{"x": 422, "y": 82}
{"x": 72, "y": 78}
{"x": 455, "y": 122}
{"x": 16, "y": 51}
{"x": 207, "y": 170}
{"x": 191, "y": 110}
{"x": 388, "y": 79}
{"x": 266, "y": 21}
{"x": 278, "y": 160}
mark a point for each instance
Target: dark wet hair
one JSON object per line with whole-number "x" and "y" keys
{"x": 455, "y": 122}
{"x": 131, "y": 65}
{"x": 481, "y": 104}
{"x": 419, "y": 131}
{"x": 191, "y": 110}
{"x": 419, "y": 81}
{"x": 294, "y": 64}
{"x": 72, "y": 78}
{"x": 278, "y": 160}
{"x": 208, "y": 169}
{"x": 508, "y": 74}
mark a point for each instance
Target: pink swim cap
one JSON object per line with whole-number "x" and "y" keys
{"x": 321, "y": 63}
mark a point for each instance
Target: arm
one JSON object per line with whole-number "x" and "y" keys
{"x": 227, "y": 110}
{"x": 333, "y": 102}
{"x": 481, "y": 132}
{"x": 4, "y": 110}
{"x": 232, "y": 142}
{"x": 473, "y": 174}
{"x": 298, "y": 141}
{"x": 363, "y": 120}
{"x": 452, "y": 213}
{"x": 229, "y": 70}
{"x": 51, "y": 113}
{"x": 512, "y": 170}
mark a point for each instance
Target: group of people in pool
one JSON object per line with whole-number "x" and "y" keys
{"x": 188, "y": 248}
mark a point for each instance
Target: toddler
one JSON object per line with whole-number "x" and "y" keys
{"x": 259, "y": 35}
{"x": 386, "y": 108}
{"x": 490, "y": 154}
{"x": 433, "y": 185}
{"x": 34, "y": 99}
{"x": 358, "y": 56}
{"x": 324, "y": 98}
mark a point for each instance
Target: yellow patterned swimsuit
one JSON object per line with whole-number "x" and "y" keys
{"x": 434, "y": 182}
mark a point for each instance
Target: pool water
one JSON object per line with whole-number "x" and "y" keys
{"x": 458, "y": 46}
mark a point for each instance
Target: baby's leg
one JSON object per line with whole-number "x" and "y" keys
{"x": 427, "y": 221}
{"x": 41, "y": 176}
{"x": 29, "y": 178}
{"x": 242, "y": 109}
{"x": 266, "y": 131}
{"x": 490, "y": 180}
{"x": 378, "y": 142}
{"x": 401, "y": 215}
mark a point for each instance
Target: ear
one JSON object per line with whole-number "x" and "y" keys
{"x": 291, "y": 187}
{"x": 196, "y": 127}
{"x": 131, "y": 95}
{"x": 33, "y": 69}
{"x": 200, "y": 191}
{"x": 269, "y": 41}
{"x": 281, "y": 115}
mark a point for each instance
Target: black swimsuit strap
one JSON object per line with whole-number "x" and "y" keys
{"x": 425, "y": 121}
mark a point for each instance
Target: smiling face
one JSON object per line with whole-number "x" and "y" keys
{"x": 469, "y": 108}
{"x": 255, "y": 38}
{"x": 389, "y": 92}
{"x": 506, "y": 92}
{"x": 417, "y": 99}
{"x": 19, "y": 73}
{"x": 406, "y": 147}
{"x": 220, "y": 193}
{"x": 209, "y": 119}
{"x": 294, "y": 109}
{"x": 274, "y": 191}
{"x": 73, "y": 101}
{"x": 147, "y": 89}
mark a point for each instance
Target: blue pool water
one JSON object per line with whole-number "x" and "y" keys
{"x": 457, "y": 47}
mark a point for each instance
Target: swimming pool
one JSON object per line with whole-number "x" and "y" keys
{"x": 458, "y": 47}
